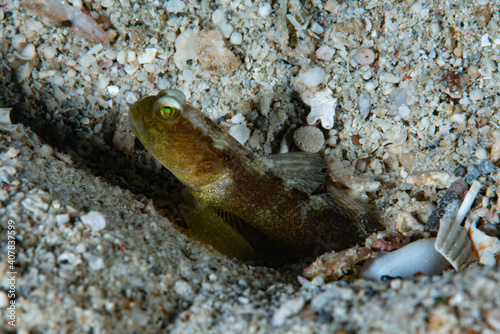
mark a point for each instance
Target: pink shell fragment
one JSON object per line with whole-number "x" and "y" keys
{"x": 60, "y": 11}
{"x": 365, "y": 57}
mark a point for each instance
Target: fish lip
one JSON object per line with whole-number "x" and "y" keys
{"x": 133, "y": 121}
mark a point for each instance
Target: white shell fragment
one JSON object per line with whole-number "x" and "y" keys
{"x": 452, "y": 240}
{"x": 468, "y": 201}
{"x": 5, "y": 123}
{"x": 148, "y": 56}
{"x": 240, "y": 132}
{"x": 95, "y": 262}
{"x": 175, "y": 6}
{"x": 419, "y": 257}
{"x": 311, "y": 78}
{"x": 287, "y": 309}
{"x": 95, "y": 220}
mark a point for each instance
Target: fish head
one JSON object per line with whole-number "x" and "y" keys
{"x": 180, "y": 137}
{"x": 151, "y": 117}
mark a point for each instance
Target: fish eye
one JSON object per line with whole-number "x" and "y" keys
{"x": 168, "y": 108}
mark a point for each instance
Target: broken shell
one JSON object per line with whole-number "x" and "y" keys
{"x": 468, "y": 201}
{"x": 27, "y": 53}
{"x": 432, "y": 179}
{"x": 365, "y": 57}
{"x": 419, "y": 257}
{"x": 407, "y": 225}
{"x": 485, "y": 246}
{"x": 368, "y": 24}
{"x": 452, "y": 240}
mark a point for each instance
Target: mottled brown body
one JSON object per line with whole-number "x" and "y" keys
{"x": 248, "y": 206}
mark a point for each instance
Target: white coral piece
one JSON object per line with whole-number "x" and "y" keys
{"x": 322, "y": 105}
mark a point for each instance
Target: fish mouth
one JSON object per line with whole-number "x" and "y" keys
{"x": 136, "y": 123}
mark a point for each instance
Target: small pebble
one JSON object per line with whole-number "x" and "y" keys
{"x": 312, "y": 77}
{"x": 473, "y": 173}
{"x": 367, "y": 75}
{"x": 240, "y": 132}
{"x": 95, "y": 262}
{"x": 309, "y": 139}
{"x": 365, "y": 57}
{"x": 95, "y": 49}
{"x": 225, "y": 29}
{"x": 131, "y": 96}
{"x": 49, "y": 53}
{"x": 325, "y": 52}
{"x": 287, "y": 309}
{"x": 183, "y": 289}
{"x": 236, "y": 38}
{"x": 131, "y": 57}
{"x": 481, "y": 153}
{"x": 45, "y": 151}
{"x": 264, "y": 10}
{"x": 86, "y": 60}
{"x": 238, "y": 118}
{"x": 121, "y": 57}
{"x": 102, "y": 82}
{"x": 113, "y": 90}
{"x": 364, "y": 105}
{"x": 107, "y": 3}
{"x": 389, "y": 77}
{"x": 148, "y": 56}
{"x": 18, "y": 42}
{"x": 219, "y": 16}
{"x": 369, "y": 86}
{"x": 476, "y": 95}
{"x": 63, "y": 218}
{"x": 4, "y": 300}
{"x": 12, "y": 152}
{"x": 106, "y": 63}
{"x": 316, "y": 28}
{"x": 486, "y": 167}
{"x": 485, "y": 40}
{"x": 473, "y": 71}
{"x": 175, "y": 6}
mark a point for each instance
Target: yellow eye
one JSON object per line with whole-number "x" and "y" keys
{"x": 168, "y": 108}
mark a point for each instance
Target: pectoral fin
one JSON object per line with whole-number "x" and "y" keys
{"x": 301, "y": 170}
{"x": 210, "y": 228}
